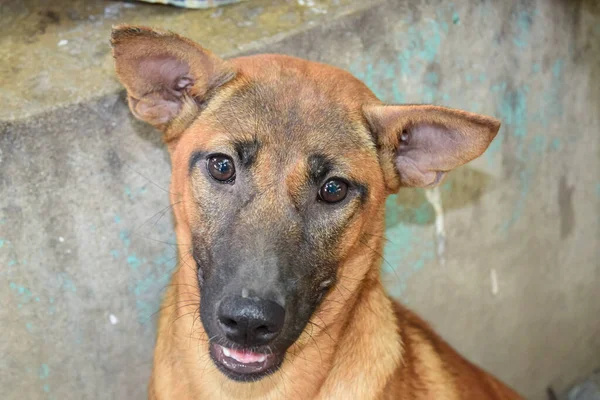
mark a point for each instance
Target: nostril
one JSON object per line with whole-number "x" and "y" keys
{"x": 228, "y": 322}
{"x": 263, "y": 330}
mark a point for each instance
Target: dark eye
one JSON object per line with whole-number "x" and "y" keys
{"x": 221, "y": 168}
{"x": 333, "y": 190}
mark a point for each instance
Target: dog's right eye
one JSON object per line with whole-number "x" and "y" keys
{"x": 221, "y": 168}
{"x": 333, "y": 191}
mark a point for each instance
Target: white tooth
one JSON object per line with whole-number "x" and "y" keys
{"x": 226, "y": 352}
{"x": 262, "y": 358}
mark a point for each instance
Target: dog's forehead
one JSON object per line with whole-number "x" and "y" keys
{"x": 295, "y": 103}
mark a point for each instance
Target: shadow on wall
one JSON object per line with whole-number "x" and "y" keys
{"x": 411, "y": 243}
{"x": 460, "y": 189}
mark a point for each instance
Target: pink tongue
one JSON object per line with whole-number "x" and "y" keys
{"x": 246, "y": 357}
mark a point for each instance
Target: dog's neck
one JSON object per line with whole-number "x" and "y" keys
{"x": 354, "y": 317}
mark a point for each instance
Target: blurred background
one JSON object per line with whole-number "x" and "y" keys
{"x": 503, "y": 259}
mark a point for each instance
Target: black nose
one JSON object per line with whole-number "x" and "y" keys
{"x": 250, "y": 321}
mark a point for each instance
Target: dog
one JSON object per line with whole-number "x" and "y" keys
{"x": 280, "y": 171}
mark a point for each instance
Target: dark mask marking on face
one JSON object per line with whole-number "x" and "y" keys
{"x": 246, "y": 151}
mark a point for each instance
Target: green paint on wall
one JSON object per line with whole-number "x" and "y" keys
{"x": 44, "y": 371}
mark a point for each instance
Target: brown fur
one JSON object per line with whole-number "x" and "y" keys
{"x": 359, "y": 343}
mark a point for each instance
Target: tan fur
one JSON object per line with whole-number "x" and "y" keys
{"x": 359, "y": 344}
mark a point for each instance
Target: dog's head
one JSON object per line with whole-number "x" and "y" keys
{"x": 280, "y": 171}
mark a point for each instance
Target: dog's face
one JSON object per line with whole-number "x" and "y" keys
{"x": 278, "y": 191}
{"x": 281, "y": 168}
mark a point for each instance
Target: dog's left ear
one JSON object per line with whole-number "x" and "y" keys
{"x": 166, "y": 75}
{"x": 419, "y": 144}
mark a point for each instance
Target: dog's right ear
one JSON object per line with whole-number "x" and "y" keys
{"x": 166, "y": 75}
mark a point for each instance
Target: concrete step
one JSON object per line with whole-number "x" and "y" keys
{"x": 55, "y": 54}
{"x": 86, "y": 243}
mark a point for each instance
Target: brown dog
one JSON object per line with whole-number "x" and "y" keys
{"x": 281, "y": 168}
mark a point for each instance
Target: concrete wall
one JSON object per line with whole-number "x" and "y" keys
{"x": 503, "y": 259}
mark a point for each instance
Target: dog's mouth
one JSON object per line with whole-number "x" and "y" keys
{"x": 244, "y": 365}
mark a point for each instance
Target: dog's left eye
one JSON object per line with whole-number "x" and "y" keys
{"x": 221, "y": 168}
{"x": 333, "y": 191}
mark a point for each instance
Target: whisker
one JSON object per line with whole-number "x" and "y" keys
{"x": 379, "y": 236}
{"x": 179, "y": 317}
{"x": 149, "y": 180}
{"x": 380, "y": 255}
{"x": 162, "y": 212}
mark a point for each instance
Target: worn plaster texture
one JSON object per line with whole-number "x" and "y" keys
{"x": 503, "y": 259}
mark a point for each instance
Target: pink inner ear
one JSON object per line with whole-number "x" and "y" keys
{"x": 165, "y": 73}
{"x": 165, "y": 79}
{"x": 412, "y": 175}
{"x": 426, "y": 152}
{"x": 154, "y": 109}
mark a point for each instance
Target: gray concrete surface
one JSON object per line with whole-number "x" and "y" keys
{"x": 55, "y": 53}
{"x": 85, "y": 232}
